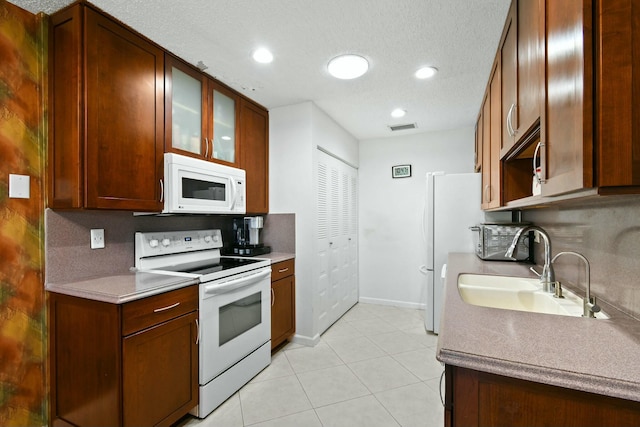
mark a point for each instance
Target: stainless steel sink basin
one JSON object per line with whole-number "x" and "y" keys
{"x": 518, "y": 293}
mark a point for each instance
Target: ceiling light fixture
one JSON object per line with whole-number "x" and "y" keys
{"x": 398, "y": 112}
{"x": 262, "y": 55}
{"x": 347, "y": 67}
{"x": 426, "y": 72}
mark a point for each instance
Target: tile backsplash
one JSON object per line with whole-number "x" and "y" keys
{"x": 67, "y": 242}
{"x": 607, "y": 233}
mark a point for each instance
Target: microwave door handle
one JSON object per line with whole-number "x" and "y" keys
{"x": 237, "y": 283}
{"x": 234, "y": 190}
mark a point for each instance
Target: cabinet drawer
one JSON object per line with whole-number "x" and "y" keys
{"x": 141, "y": 314}
{"x": 282, "y": 269}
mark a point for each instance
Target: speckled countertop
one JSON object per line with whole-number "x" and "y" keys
{"x": 277, "y": 256}
{"x": 593, "y": 355}
{"x": 129, "y": 286}
{"x": 121, "y": 288}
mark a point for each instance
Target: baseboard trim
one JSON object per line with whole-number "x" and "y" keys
{"x": 401, "y": 304}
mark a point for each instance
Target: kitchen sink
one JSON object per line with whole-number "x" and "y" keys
{"x": 518, "y": 293}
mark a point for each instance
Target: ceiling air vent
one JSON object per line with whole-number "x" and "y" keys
{"x": 402, "y": 127}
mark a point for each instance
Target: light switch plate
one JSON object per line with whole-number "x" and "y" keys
{"x": 19, "y": 186}
{"x": 97, "y": 238}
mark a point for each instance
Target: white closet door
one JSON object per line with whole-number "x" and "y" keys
{"x": 337, "y": 239}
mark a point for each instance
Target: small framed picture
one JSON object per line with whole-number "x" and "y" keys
{"x": 401, "y": 171}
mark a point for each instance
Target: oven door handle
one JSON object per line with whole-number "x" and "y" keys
{"x": 236, "y": 283}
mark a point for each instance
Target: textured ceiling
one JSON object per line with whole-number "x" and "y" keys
{"x": 459, "y": 37}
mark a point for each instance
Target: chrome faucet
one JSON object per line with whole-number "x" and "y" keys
{"x": 589, "y": 306}
{"x": 548, "y": 276}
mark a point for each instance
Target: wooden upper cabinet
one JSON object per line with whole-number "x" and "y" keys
{"x": 531, "y": 22}
{"x": 508, "y": 55}
{"x": 495, "y": 132}
{"x": 485, "y": 126}
{"x": 567, "y": 149}
{"x": 201, "y": 115}
{"x": 254, "y": 136}
{"x": 491, "y": 139}
{"x": 107, "y": 104}
{"x": 617, "y": 77}
{"x": 522, "y": 57}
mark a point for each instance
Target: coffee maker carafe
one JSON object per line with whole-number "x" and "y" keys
{"x": 247, "y": 236}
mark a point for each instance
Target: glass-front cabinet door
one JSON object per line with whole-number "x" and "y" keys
{"x": 185, "y": 127}
{"x": 201, "y": 115}
{"x": 223, "y": 119}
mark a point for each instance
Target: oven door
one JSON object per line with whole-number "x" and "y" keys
{"x": 235, "y": 319}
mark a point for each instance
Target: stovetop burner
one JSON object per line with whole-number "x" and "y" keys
{"x": 223, "y": 263}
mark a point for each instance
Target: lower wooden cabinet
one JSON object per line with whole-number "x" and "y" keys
{"x": 475, "y": 398}
{"x": 283, "y": 302}
{"x": 134, "y": 364}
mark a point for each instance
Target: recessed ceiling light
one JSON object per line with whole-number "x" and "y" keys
{"x": 348, "y": 66}
{"x": 262, "y": 55}
{"x": 226, "y": 138}
{"x": 398, "y": 112}
{"x": 426, "y": 72}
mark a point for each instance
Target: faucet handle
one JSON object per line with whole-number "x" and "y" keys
{"x": 535, "y": 272}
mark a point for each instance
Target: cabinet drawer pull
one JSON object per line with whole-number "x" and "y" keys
{"x": 169, "y": 307}
{"x": 510, "y": 128}
{"x": 484, "y": 193}
{"x": 282, "y": 270}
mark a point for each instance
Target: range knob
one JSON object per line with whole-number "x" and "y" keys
{"x": 166, "y": 242}
{"x": 207, "y": 239}
{"x": 216, "y": 238}
{"x": 153, "y": 243}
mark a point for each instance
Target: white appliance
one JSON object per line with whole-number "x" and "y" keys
{"x": 452, "y": 205}
{"x": 234, "y": 333}
{"x": 197, "y": 186}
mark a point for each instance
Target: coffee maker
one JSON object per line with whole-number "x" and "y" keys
{"x": 247, "y": 236}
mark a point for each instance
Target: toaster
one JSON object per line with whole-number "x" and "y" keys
{"x": 491, "y": 241}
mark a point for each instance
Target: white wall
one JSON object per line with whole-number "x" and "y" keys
{"x": 294, "y": 133}
{"x": 390, "y": 210}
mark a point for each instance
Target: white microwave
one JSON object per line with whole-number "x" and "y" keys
{"x": 201, "y": 187}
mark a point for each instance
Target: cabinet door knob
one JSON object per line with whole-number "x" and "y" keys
{"x": 273, "y": 297}
{"x": 206, "y": 143}
{"x": 161, "y": 191}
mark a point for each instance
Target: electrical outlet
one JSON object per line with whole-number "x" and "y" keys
{"x": 97, "y": 238}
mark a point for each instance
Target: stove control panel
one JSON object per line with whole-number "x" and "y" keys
{"x": 175, "y": 242}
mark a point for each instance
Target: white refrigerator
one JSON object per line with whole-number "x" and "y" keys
{"x": 452, "y": 205}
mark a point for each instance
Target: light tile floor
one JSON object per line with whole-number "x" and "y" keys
{"x": 375, "y": 366}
